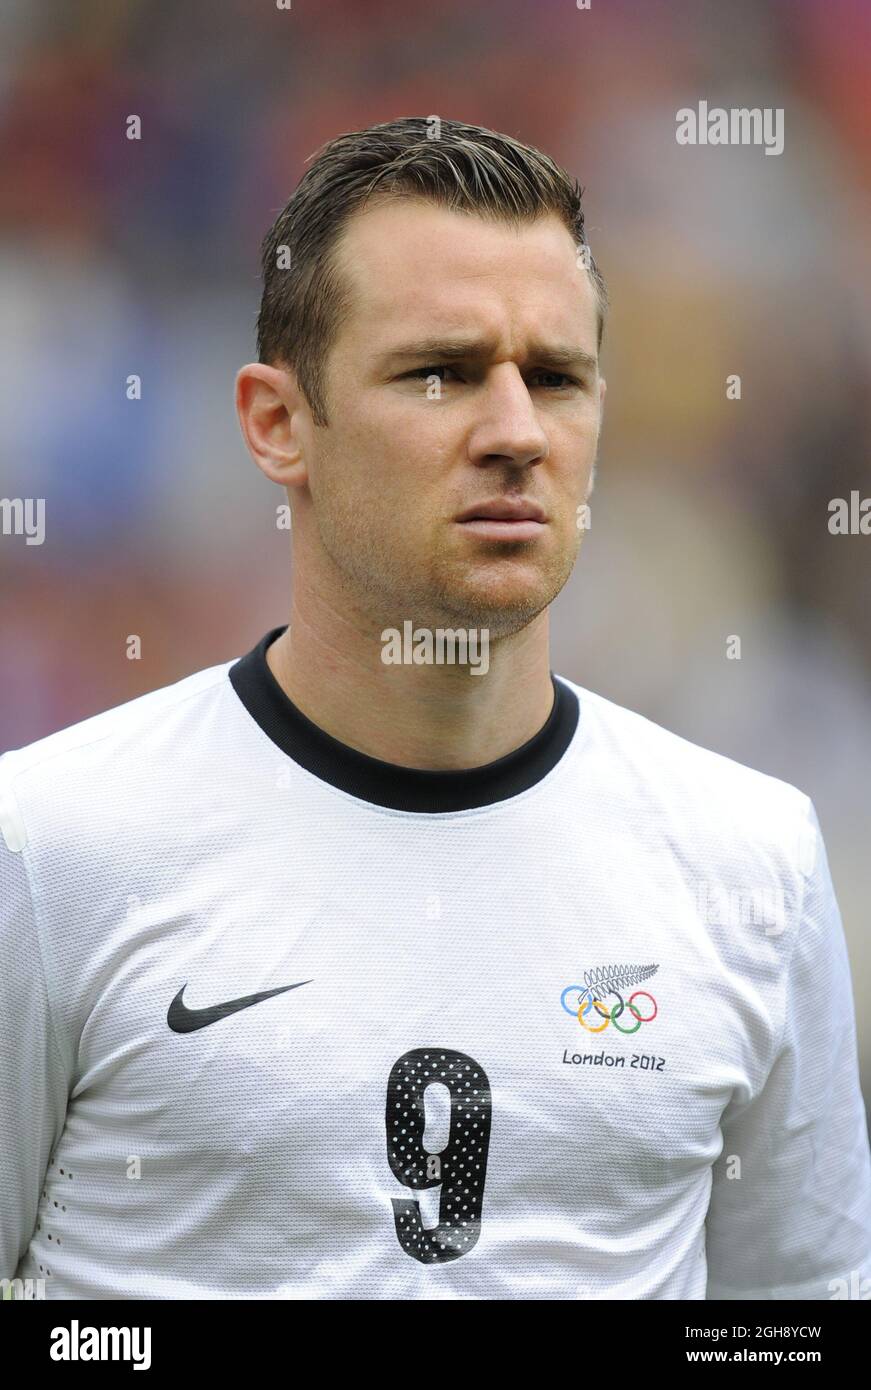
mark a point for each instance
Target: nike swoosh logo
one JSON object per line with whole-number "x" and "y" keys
{"x": 181, "y": 1019}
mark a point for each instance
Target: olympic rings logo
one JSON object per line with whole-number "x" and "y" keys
{"x": 609, "y": 1015}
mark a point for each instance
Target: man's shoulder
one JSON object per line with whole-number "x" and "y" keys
{"x": 669, "y": 772}
{"x": 99, "y": 755}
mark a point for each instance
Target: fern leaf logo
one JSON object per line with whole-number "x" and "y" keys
{"x": 613, "y": 979}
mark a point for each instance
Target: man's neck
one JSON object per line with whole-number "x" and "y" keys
{"x": 438, "y": 717}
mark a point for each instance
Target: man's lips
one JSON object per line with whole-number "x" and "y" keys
{"x": 504, "y": 509}
{"x": 500, "y": 529}
{"x": 504, "y": 518}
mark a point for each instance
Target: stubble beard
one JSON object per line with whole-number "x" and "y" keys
{"x": 388, "y": 592}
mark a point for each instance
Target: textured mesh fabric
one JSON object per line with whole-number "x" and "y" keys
{"x": 594, "y": 1040}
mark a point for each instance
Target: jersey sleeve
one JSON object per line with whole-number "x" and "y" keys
{"x": 33, "y": 1077}
{"x": 796, "y": 1222}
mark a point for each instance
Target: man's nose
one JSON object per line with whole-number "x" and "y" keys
{"x": 508, "y": 429}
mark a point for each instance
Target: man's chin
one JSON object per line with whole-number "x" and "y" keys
{"x": 502, "y": 608}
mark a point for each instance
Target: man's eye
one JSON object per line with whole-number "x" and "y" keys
{"x": 561, "y": 380}
{"x": 424, "y": 372}
{"x": 558, "y": 381}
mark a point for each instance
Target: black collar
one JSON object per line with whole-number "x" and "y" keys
{"x": 387, "y": 784}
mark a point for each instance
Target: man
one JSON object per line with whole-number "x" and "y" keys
{"x": 382, "y": 962}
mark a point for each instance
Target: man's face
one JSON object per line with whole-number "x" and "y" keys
{"x": 401, "y": 461}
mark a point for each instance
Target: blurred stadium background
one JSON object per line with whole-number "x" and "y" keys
{"x": 710, "y": 517}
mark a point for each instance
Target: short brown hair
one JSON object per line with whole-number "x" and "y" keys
{"x": 465, "y": 168}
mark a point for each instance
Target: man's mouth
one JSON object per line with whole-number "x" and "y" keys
{"x": 499, "y": 529}
{"x": 504, "y": 518}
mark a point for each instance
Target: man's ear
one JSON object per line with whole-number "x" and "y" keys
{"x": 603, "y": 386}
{"x": 268, "y": 402}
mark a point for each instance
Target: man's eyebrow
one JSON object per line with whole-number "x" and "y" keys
{"x": 469, "y": 350}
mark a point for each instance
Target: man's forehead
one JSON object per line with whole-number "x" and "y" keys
{"x": 406, "y": 261}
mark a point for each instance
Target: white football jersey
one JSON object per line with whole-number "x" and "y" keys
{"x": 282, "y": 1020}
